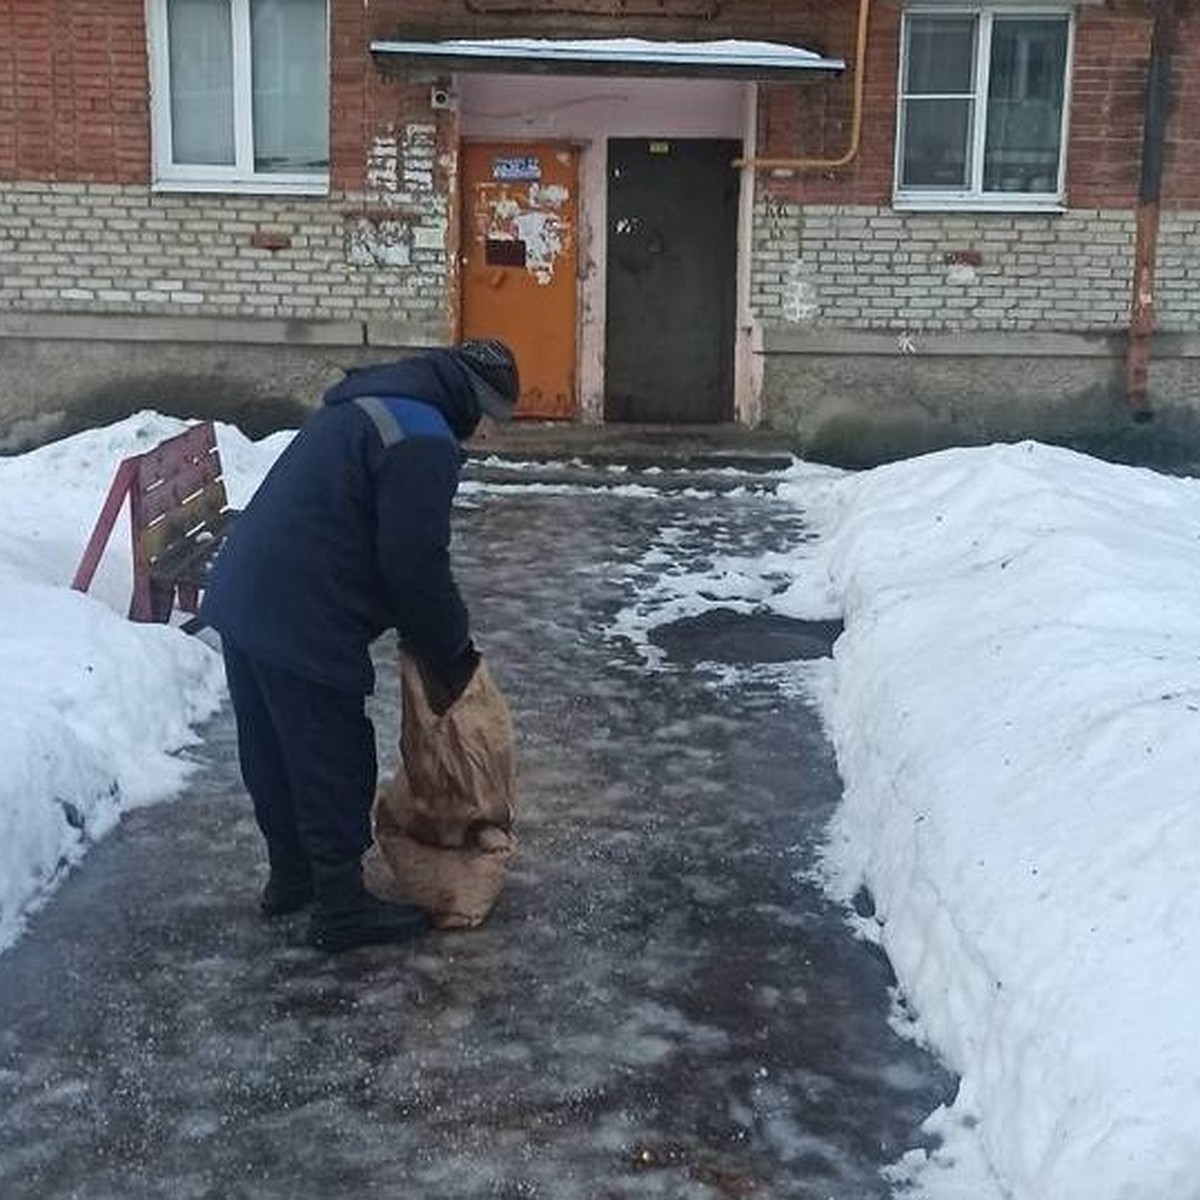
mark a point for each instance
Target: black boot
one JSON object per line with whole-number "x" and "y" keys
{"x": 346, "y": 915}
{"x": 283, "y": 894}
{"x": 290, "y": 885}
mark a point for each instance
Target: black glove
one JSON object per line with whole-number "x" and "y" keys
{"x": 445, "y": 683}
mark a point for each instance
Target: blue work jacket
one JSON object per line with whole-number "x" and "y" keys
{"x": 349, "y": 533}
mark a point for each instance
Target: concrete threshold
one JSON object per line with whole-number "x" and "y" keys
{"x": 720, "y": 478}
{"x": 675, "y": 447}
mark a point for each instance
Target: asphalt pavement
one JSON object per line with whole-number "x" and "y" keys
{"x": 662, "y": 1005}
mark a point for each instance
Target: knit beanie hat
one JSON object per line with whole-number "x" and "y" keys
{"x": 492, "y": 371}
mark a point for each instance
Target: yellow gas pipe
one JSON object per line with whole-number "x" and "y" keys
{"x": 807, "y": 164}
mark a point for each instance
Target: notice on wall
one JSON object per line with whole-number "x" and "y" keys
{"x": 516, "y": 167}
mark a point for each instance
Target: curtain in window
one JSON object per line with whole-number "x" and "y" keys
{"x": 1025, "y": 104}
{"x": 939, "y": 102}
{"x": 290, "y": 73}
{"x": 200, "y": 46}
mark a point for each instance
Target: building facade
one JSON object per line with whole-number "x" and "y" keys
{"x": 879, "y": 226}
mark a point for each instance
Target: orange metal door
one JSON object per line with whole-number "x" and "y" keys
{"x": 520, "y": 263}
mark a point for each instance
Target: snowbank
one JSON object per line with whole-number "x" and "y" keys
{"x": 94, "y": 708}
{"x": 1016, "y": 712}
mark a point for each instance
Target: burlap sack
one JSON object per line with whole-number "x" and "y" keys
{"x": 443, "y": 823}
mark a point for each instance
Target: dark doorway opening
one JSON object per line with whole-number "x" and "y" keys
{"x": 672, "y": 266}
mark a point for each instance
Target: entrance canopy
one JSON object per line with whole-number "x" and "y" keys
{"x": 612, "y": 56}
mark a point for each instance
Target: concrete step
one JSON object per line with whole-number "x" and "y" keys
{"x": 699, "y": 448}
{"x": 497, "y": 473}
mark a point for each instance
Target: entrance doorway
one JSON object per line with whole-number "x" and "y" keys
{"x": 520, "y": 263}
{"x": 671, "y": 285}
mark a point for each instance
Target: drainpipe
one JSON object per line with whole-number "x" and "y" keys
{"x": 856, "y": 117}
{"x": 1145, "y": 253}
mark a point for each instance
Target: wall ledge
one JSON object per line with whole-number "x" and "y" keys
{"x": 900, "y": 343}
{"x": 1013, "y": 343}
{"x": 133, "y": 327}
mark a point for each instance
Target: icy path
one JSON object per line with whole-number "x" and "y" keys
{"x": 661, "y": 1006}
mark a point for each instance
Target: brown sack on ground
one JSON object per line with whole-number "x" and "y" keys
{"x": 443, "y": 823}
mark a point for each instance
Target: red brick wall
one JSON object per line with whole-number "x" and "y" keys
{"x": 1107, "y": 98}
{"x": 815, "y": 120}
{"x": 74, "y": 88}
{"x": 1112, "y": 45}
{"x": 1182, "y": 183}
{"x": 366, "y": 101}
{"x": 349, "y": 67}
{"x": 74, "y": 91}
{"x": 684, "y": 19}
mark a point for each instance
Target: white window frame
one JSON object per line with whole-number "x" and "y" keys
{"x": 170, "y": 176}
{"x": 973, "y": 197}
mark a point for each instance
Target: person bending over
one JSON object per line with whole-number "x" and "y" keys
{"x": 347, "y": 537}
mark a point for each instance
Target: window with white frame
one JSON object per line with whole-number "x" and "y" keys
{"x": 983, "y": 106}
{"x": 240, "y": 94}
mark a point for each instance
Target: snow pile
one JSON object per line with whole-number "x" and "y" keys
{"x": 94, "y": 707}
{"x": 727, "y": 52}
{"x": 1015, "y": 705}
{"x": 1016, "y": 712}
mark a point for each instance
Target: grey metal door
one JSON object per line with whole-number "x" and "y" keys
{"x": 672, "y": 257}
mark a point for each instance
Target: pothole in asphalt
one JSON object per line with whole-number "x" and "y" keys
{"x": 723, "y": 635}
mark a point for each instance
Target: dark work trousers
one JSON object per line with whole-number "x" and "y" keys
{"x": 307, "y": 753}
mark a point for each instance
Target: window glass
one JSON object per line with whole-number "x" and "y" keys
{"x": 200, "y": 46}
{"x": 934, "y": 146}
{"x": 982, "y": 102}
{"x": 941, "y": 56}
{"x": 1025, "y": 105}
{"x": 290, "y": 76}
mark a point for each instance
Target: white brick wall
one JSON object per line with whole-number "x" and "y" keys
{"x": 865, "y": 268}
{"x": 1178, "y": 272}
{"x": 88, "y": 248}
